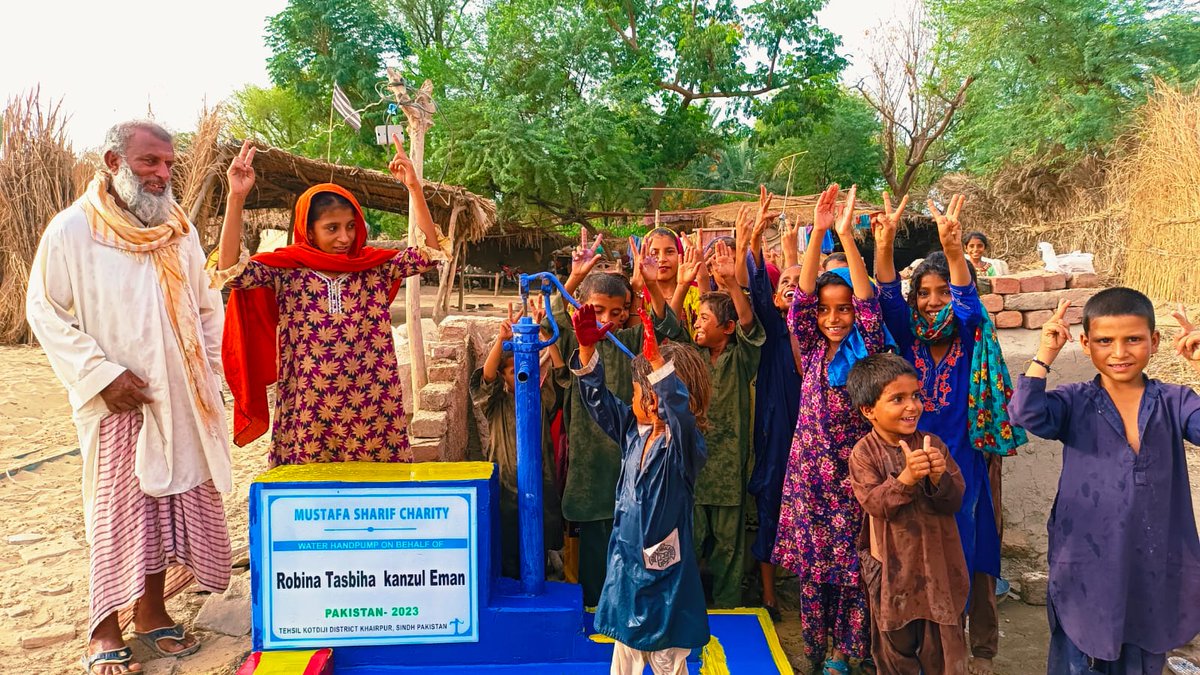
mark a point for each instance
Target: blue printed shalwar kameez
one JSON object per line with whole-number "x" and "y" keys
{"x": 776, "y": 405}
{"x": 946, "y": 386}
{"x": 652, "y": 598}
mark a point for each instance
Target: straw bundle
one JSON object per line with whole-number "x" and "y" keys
{"x": 1156, "y": 188}
{"x": 1052, "y": 200}
{"x": 198, "y": 172}
{"x": 37, "y": 181}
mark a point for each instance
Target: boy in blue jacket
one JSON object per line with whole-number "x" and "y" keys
{"x": 652, "y": 602}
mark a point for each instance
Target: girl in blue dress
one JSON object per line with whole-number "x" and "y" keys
{"x": 943, "y": 330}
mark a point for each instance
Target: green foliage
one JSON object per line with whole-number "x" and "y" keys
{"x": 843, "y": 147}
{"x": 1059, "y": 74}
{"x": 554, "y": 109}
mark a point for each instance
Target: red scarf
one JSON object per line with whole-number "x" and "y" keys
{"x": 252, "y": 316}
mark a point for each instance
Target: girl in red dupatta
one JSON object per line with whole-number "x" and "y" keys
{"x": 313, "y": 319}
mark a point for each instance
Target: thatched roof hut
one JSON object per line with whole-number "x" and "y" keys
{"x": 799, "y": 206}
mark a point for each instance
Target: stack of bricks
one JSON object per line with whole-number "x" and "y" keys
{"x": 1028, "y": 300}
{"x": 438, "y": 429}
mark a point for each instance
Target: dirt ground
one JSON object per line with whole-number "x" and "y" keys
{"x": 43, "y": 592}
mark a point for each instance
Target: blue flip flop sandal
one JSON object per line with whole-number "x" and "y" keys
{"x": 151, "y": 637}
{"x": 112, "y": 657}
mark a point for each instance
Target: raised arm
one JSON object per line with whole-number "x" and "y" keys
{"x": 824, "y": 215}
{"x": 950, "y": 234}
{"x": 725, "y": 268}
{"x": 884, "y": 230}
{"x": 402, "y": 169}
{"x": 583, "y": 260}
{"x": 859, "y": 279}
{"x": 789, "y": 242}
{"x": 491, "y": 365}
{"x": 689, "y": 268}
{"x": 647, "y": 265}
{"x": 240, "y": 176}
{"x": 1041, "y": 413}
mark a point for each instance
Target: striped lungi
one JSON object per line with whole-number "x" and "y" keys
{"x": 135, "y": 535}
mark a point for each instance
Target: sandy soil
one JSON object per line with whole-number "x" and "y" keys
{"x": 43, "y": 603}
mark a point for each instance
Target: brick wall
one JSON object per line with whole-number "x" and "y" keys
{"x": 1028, "y": 299}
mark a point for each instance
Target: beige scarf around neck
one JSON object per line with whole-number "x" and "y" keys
{"x": 113, "y": 226}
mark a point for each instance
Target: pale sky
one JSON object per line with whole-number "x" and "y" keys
{"x": 108, "y": 64}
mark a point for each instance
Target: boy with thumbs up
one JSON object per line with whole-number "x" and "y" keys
{"x": 1124, "y": 556}
{"x": 911, "y": 560}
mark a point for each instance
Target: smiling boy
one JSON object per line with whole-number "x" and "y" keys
{"x": 1124, "y": 555}
{"x": 911, "y": 559}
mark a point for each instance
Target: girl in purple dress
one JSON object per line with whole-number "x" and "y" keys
{"x": 836, "y": 320}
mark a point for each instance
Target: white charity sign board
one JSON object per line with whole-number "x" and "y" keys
{"x": 368, "y": 566}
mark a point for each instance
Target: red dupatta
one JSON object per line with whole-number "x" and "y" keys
{"x": 248, "y": 350}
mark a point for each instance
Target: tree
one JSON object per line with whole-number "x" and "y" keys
{"x": 710, "y": 53}
{"x": 315, "y": 43}
{"x": 915, "y": 96}
{"x": 841, "y": 148}
{"x": 1059, "y": 75}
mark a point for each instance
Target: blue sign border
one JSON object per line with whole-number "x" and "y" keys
{"x": 266, "y": 549}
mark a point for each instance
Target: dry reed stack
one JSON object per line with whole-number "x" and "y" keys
{"x": 37, "y": 180}
{"x": 1156, "y": 189}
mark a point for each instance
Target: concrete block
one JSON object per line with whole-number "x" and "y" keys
{"x": 438, "y": 395}
{"x": 1055, "y": 281}
{"x": 1006, "y": 285}
{"x": 428, "y": 423}
{"x": 992, "y": 302}
{"x": 446, "y": 371}
{"x": 1036, "y": 318}
{"x": 427, "y": 449}
{"x": 1033, "y": 283}
{"x": 1074, "y": 315}
{"x": 451, "y": 351}
{"x": 1024, "y": 302}
{"x": 1033, "y": 588}
{"x": 454, "y": 328}
{"x": 1083, "y": 280}
{"x": 229, "y": 612}
{"x": 1008, "y": 320}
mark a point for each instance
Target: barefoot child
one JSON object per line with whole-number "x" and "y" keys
{"x": 493, "y": 391}
{"x": 836, "y": 322}
{"x": 594, "y": 461}
{"x": 910, "y": 556}
{"x": 1124, "y": 556}
{"x": 944, "y": 332}
{"x": 653, "y": 602}
{"x": 731, "y": 338}
{"x": 313, "y": 318}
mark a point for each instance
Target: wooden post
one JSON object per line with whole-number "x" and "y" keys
{"x": 446, "y": 279}
{"x": 419, "y": 110}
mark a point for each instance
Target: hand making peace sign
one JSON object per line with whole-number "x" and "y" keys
{"x": 241, "y": 171}
{"x": 401, "y": 167}
{"x": 845, "y": 220}
{"x": 1187, "y": 344}
{"x": 886, "y": 223}
{"x": 949, "y": 226}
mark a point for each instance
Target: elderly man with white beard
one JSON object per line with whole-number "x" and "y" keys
{"x": 120, "y": 302}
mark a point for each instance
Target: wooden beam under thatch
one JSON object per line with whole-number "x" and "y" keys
{"x": 799, "y": 206}
{"x": 283, "y": 176}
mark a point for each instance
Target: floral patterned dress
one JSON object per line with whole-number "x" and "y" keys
{"x": 338, "y": 397}
{"x": 819, "y": 518}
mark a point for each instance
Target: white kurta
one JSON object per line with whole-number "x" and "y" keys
{"x": 98, "y": 311}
